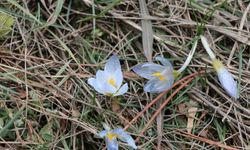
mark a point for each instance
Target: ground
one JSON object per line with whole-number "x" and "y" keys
{"x": 53, "y": 47}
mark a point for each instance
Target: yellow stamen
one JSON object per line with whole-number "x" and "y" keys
{"x": 111, "y": 81}
{"x": 159, "y": 75}
{"x": 111, "y": 136}
{"x": 217, "y": 64}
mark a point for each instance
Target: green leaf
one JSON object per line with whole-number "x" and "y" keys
{"x": 1, "y": 123}
{"x": 35, "y": 98}
{"x": 47, "y": 133}
{"x": 97, "y": 32}
{"x": 6, "y": 23}
{"x": 9, "y": 124}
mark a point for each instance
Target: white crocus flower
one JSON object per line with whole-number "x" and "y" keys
{"x": 225, "y": 77}
{"x": 109, "y": 80}
{"x": 161, "y": 77}
{"x": 112, "y": 135}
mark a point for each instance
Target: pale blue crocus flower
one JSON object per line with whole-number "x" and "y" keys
{"x": 109, "y": 80}
{"x": 111, "y": 137}
{"x": 161, "y": 77}
{"x": 225, "y": 77}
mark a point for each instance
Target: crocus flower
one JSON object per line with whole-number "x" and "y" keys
{"x": 109, "y": 80}
{"x": 225, "y": 77}
{"x": 161, "y": 77}
{"x": 112, "y": 135}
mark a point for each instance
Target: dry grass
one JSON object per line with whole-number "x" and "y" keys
{"x": 55, "y": 46}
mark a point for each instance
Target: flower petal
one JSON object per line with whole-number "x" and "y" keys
{"x": 129, "y": 140}
{"x": 93, "y": 82}
{"x": 122, "y": 90}
{"x": 106, "y": 127}
{"x": 118, "y": 78}
{"x": 125, "y": 137}
{"x": 117, "y": 131}
{"x": 164, "y": 62}
{"x": 226, "y": 79}
{"x": 157, "y": 86}
{"x": 111, "y": 144}
{"x": 227, "y": 82}
{"x": 147, "y": 69}
{"x": 165, "y": 85}
{"x": 109, "y": 89}
{"x": 112, "y": 64}
{"x": 153, "y": 66}
{"x": 101, "y": 77}
{"x": 151, "y": 86}
{"x": 103, "y": 133}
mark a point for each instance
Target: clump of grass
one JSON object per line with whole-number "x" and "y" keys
{"x": 54, "y": 47}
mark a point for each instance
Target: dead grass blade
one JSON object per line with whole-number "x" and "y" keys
{"x": 147, "y": 31}
{"x": 159, "y": 123}
{"x": 162, "y": 106}
{"x": 192, "y": 110}
{"x": 217, "y": 144}
{"x": 159, "y": 96}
